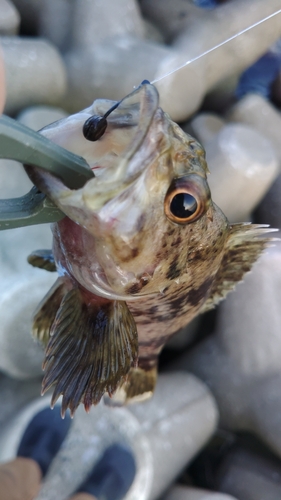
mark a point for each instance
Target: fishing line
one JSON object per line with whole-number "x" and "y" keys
{"x": 216, "y": 46}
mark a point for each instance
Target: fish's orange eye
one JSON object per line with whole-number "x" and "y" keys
{"x": 187, "y": 199}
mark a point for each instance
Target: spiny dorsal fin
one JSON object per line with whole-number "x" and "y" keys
{"x": 47, "y": 309}
{"x": 92, "y": 347}
{"x": 43, "y": 259}
{"x": 244, "y": 245}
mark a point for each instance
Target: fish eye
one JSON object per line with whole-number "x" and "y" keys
{"x": 187, "y": 199}
{"x": 183, "y": 205}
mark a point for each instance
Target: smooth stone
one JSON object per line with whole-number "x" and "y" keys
{"x": 249, "y": 476}
{"x": 152, "y": 32}
{"x": 35, "y": 73}
{"x": 243, "y": 165}
{"x": 178, "y": 421}
{"x": 13, "y": 180}
{"x": 9, "y": 18}
{"x": 115, "y": 67}
{"x": 111, "y": 69}
{"x": 188, "y": 493}
{"x": 240, "y": 363}
{"x": 170, "y": 17}
{"x": 55, "y": 22}
{"x": 38, "y": 117}
{"x": 257, "y": 111}
{"x": 17, "y": 244}
{"x": 20, "y": 356}
{"x": 2, "y": 82}
{"x": 92, "y": 23}
{"x": 204, "y": 127}
{"x": 203, "y": 32}
{"x": 15, "y": 395}
{"x": 217, "y": 25}
{"x": 165, "y": 433}
{"x": 183, "y": 337}
{"x": 29, "y": 11}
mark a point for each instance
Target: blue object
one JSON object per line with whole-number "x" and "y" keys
{"x": 206, "y": 4}
{"x": 113, "y": 475}
{"x": 44, "y": 436}
{"x": 261, "y": 75}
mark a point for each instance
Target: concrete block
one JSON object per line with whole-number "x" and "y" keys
{"x": 164, "y": 434}
{"x": 35, "y": 73}
{"x": 250, "y": 476}
{"x": 93, "y": 22}
{"x": 38, "y": 117}
{"x": 243, "y": 165}
{"x": 9, "y": 18}
{"x": 188, "y": 493}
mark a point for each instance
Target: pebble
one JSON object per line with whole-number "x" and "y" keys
{"x": 92, "y": 24}
{"x": 35, "y": 73}
{"x": 217, "y": 25}
{"x": 20, "y": 356}
{"x": 2, "y": 82}
{"x": 55, "y": 18}
{"x": 111, "y": 69}
{"x": 257, "y": 111}
{"x": 128, "y": 60}
{"x": 185, "y": 336}
{"x": 242, "y": 162}
{"x": 188, "y": 493}
{"x": 9, "y": 18}
{"x": 16, "y": 394}
{"x": 170, "y": 17}
{"x": 29, "y": 11}
{"x": 164, "y": 433}
{"x": 204, "y": 32}
{"x": 240, "y": 362}
{"x": 249, "y": 475}
{"x": 38, "y": 117}
{"x": 205, "y": 126}
{"x": 23, "y": 287}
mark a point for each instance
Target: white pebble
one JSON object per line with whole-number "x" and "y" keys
{"x": 9, "y": 18}
{"x": 35, "y": 73}
{"x": 243, "y": 165}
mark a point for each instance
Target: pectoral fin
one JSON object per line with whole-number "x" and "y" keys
{"x": 244, "y": 245}
{"x": 43, "y": 259}
{"x": 47, "y": 309}
{"x": 93, "y": 345}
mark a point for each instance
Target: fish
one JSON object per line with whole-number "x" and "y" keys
{"x": 141, "y": 251}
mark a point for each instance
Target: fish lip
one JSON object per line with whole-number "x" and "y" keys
{"x": 98, "y": 285}
{"x": 110, "y": 294}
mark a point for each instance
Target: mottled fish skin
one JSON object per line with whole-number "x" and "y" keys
{"x": 119, "y": 241}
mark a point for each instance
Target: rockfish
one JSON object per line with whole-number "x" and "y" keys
{"x": 141, "y": 251}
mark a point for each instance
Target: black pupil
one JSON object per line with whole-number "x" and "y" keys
{"x": 183, "y": 205}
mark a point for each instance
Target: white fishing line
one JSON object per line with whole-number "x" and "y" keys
{"x": 216, "y": 46}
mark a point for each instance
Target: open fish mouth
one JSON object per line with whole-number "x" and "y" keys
{"x": 117, "y": 158}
